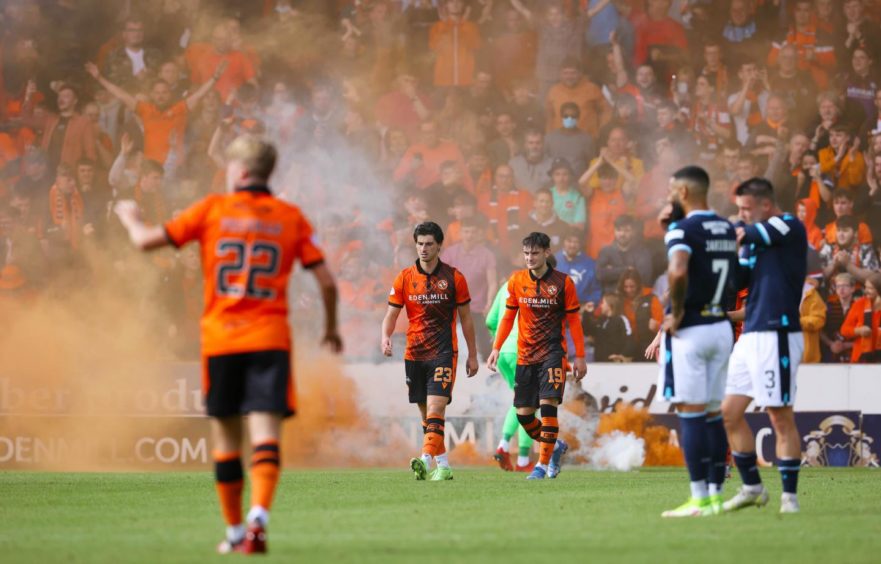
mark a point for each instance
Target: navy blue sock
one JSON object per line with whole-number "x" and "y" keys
{"x": 789, "y": 473}
{"x": 718, "y": 444}
{"x": 748, "y": 465}
{"x": 693, "y": 438}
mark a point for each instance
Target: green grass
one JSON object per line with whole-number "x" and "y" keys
{"x": 482, "y": 516}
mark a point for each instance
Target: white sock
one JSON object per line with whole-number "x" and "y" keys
{"x": 715, "y": 489}
{"x": 699, "y": 489}
{"x": 787, "y": 495}
{"x": 505, "y": 445}
{"x": 522, "y": 460}
{"x": 258, "y": 515}
{"x": 426, "y": 458}
{"x": 235, "y": 533}
{"x": 754, "y": 488}
{"x": 442, "y": 460}
{"x": 542, "y": 466}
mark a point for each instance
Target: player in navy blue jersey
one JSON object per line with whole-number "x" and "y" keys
{"x": 697, "y": 340}
{"x": 765, "y": 360}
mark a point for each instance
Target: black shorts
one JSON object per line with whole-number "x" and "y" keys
{"x": 435, "y": 377}
{"x": 235, "y": 384}
{"x": 534, "y": 382}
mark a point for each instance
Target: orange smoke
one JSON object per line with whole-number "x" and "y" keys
{"x": 660, "y": 451}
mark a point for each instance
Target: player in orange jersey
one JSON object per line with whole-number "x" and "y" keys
{"x": 432, "y": 293}
{"x": 544, "y": 298}
{"x": 249, "y": 243}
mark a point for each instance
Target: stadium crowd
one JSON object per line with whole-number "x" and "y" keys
{"x": 493, "y": 118}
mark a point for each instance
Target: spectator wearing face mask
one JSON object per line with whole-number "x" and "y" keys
{"x": 569, "y": 142}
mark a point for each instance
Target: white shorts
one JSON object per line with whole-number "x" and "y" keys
{"x": 760, "y": 370}
{"x": 694, "y": 364}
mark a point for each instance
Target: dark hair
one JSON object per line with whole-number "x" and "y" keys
{"x": 842, "y": 193}
{"x": 841, "y": 128}
{"x": 630, "y": 273}
{"x": 624, "y": 220}
{"x": 758, "y": 188}
{"x": 86, "y": 161}
{"x": 463, "y": 197}
{"x": 552, "y": 262}
{"x": 607, "y": 171}
{"x": 847, "y": 222}
{"x": 536, "y": 240}
{"x": 694, "y": 176}
{"x": 429, "y": 228}
{"x": 68, "y": 86}
{"x": 572, "y": 107}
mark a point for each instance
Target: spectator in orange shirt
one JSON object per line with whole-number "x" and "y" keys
{"x": 863, "y": 323}
{"x": 574, "y": 87}
{"x": 455, "y": 42}
{"x": 203, "y": 60}
{"x": 67, "y": 135}
{"x": 659, "y": 37}
{"x": 405, "y": 107}
{"x": 843, "y": 204}
{"x": 421, "y": 164}
{"x": 66, "y": 207}
{"x": 842, "y": 160}
{"x": 512, "y": 50}
{"x": 816, "y": 50}
{"x": 641, "y": 307}
{"x": 506, "y": 207}
{"x": 604, "y": 206}
{"x": 164, "y": 121}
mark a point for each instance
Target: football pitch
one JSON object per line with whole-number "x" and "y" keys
{"x": 483, "y": 515}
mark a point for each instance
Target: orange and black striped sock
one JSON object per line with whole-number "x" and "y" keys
{"x": 550, "y": 428}
{"x": 531, "y": 425}
{"x": 433, "y": 441}
{"x": 265, "y": 470}
{"x": 229, "y": 481}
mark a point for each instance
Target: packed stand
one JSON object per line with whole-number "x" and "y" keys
{"x": 493, "y": 118}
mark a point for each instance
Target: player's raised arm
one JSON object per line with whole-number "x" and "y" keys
{"x": 144, "y": 237}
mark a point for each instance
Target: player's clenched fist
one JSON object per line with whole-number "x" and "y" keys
{"x": 386, "y": 346}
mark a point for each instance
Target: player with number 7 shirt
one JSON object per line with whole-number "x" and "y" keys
{"x": 250, "y": 241}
